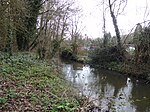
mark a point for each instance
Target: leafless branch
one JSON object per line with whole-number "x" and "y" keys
{"x": 146, "y": 12}
{"x": 133, "y": 29}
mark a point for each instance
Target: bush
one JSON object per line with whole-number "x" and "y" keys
{"x": 67, "y": 54}
{"x": 102, "y": 57}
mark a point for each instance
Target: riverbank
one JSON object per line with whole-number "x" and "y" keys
{"x": 140, "y": 72}
{"x": 111, "y": 59}
{"x": 29, "y": 84}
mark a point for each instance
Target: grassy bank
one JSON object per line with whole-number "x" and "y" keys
{"x": 29, "y": 84}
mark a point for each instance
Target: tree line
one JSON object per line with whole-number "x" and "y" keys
{"x": 40, "y": 25}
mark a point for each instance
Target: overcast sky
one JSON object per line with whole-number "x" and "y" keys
{"x": 93, "y": 21}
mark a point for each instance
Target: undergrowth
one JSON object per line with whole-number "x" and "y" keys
{"x": 29, "y": 84}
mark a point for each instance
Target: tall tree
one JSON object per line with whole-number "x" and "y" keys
{"x": 142, "y": 44}
{"x": 10, "y": 20}
{"x": 116, "y": 7}
{"x": 30, "y": 23}
{"x": 119, "y": 6}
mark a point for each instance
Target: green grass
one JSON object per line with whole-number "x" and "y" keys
{"x": 29, "y": 84}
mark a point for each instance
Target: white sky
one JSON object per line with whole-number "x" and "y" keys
{"x": 93, "y": 21}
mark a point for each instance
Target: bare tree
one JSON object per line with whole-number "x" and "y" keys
{"x": 116, "y": 6}
{"x": 75, "y": 32}
{"x": 54, "y": 22}
{"x": 104, "y": 24}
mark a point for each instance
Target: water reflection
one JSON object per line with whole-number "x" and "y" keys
{"x": 109, "y": 91}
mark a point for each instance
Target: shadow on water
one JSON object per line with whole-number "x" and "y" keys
{"x": 108, "y": 90}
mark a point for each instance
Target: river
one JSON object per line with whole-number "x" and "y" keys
{"x": 108, "y": 90}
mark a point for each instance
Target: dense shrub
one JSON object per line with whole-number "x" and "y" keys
{"x": 102, "y": 57}
{"x": 67, "y": 54}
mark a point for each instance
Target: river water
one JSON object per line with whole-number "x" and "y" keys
{"x": 108, "y": 90}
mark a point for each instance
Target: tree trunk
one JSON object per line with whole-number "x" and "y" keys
{"x": 115, "y": 25}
